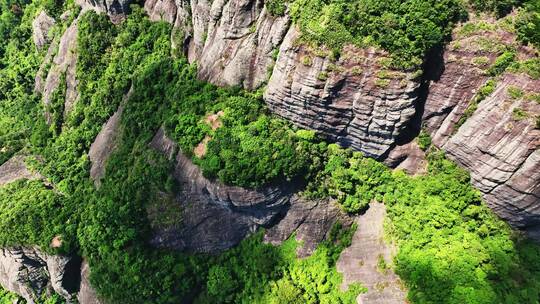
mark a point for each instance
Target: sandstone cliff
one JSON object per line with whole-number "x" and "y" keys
{"x": 499, "y": 143}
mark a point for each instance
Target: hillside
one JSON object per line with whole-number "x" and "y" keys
{"x": 277, "y": 151}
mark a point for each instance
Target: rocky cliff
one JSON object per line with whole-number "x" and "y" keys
{"x": 498, "y": 143}
{"x": 359, "y": 101}
{"x": 31, "y": 273}
{"x": 213, "y": 216}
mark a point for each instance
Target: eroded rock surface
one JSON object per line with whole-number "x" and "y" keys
{"x": 354, "y": 101}
{"x": 104, "y": 145}
{"x": 63, "y": 64}
{"x": 498, "y": 144}
{"x": 40, "y": 29}
{"x": 311, "y": 220}
{"x": 30, "y": 273}
{"x": 501, "y": 151}
{"x": 116, "y": 9}
{"x": 214, "y": 216}
{"x": 360, "y": 262}
{"x": 15, "y": 169}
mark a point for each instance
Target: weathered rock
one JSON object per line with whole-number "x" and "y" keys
{"x": 497, "y": 146}
{"x": 311, "y": 220}
{"x": 215, "y": 216}
{"x": 241, "y": 42}
{"x": 63, "y": 63}
{"x": 40, "y": 29}
{"x": 31, "y": 273}
{"x": 15, "y": 169}
{"x": 116, "y": 9}
{"x": 408, "y": 157}
{"x": 104, "y": 145}
{"x": 86, "y": 294}
{"x": 359, "y": 262}
{"x": 354, "y": 101}
{"x": 501, "y": 151}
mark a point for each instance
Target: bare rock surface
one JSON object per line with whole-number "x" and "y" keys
{"x": 40, "y": 29}
{"x": 358, "y": 263}
{"x": 498, "y": 144}
{"x": 115, "y": 9}
{"x": 214, "y": 216}
{"x": 408, "y": 157}
{"x": 354, "y": 101}
{"x": 501, "y": 151}
{"x": 15, "y": 169}
{"x": 62, "y": 64}
{"x": 86, "y": 294}
{"x": 311, "y": 220}
{"x": 30, "y": 273}
{"x": 104, "y": 145}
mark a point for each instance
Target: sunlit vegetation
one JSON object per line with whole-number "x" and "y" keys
{"x": 452, "y": 249}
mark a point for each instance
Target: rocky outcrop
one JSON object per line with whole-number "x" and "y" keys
{"x": 214, "y": 216}
{"x": 408, "y": 157}
{"x": 31, "y": 273}
{"x": 40, "y": 29}
{"x": 501, "y": 151}
{"x": 498, "y": 144}
{"x": 86, "y": 294}
{"x": 62, "y": 64}
{"x": 116, "y": 9}
{"x": 103, "y": 146}
{"x": 309, "y": 220}
{"x": 355, "y": 100}
{"x": 15, "y": 169}
{"x": 361, "y": 262}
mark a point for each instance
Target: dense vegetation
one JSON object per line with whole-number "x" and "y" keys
{"x": 452, "y": 248}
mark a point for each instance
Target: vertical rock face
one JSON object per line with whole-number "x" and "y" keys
{"x": 30, "y": 273}
{"x": 501, "y": 150}
{"x": 214, "y": 216}
{"x": 354, "y": 101}
{"x": 240, "y": 42}
{"x": 309, "y": 220}
{"x": 498, "y": 144}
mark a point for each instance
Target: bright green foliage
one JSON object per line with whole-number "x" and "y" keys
{"x": 500, "y": 7}
{"x": 276, "y": 7}
{"x": 501, "y": 63}
{"x": 38, "y": 213}
{"x": 7, "y": 297}
{"x": 55, "y": 108}
{"x": 19, "y": 61}
{"x": 407, "y": 29}
{"x": 250, "y": 148}
{"x": 351, "y": 178}
{"x": 530, "y": 67}
{"x": 424, "y": 140}
{"x": 254, "y": 272}
{"x": 528, "y": 23}
{"x": 452, "y": 247}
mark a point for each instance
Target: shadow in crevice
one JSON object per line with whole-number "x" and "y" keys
{"x": 433, "y": 69}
